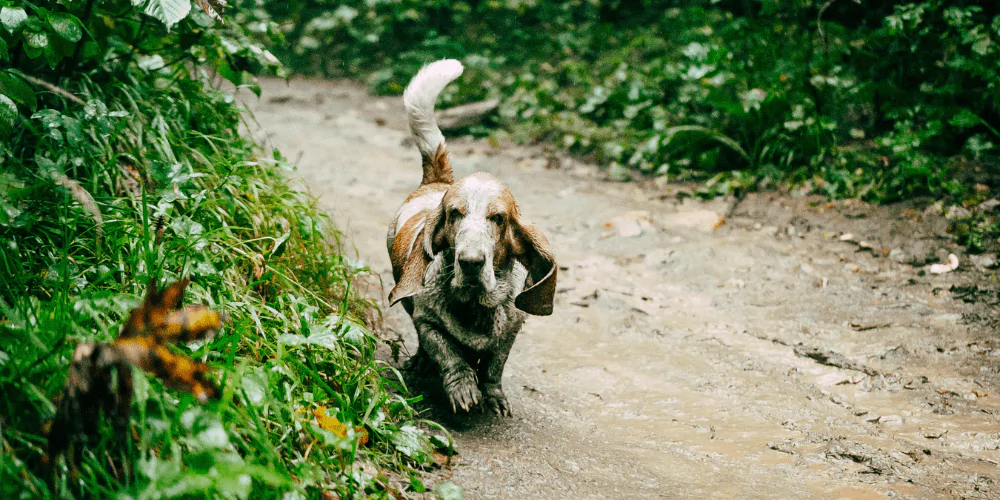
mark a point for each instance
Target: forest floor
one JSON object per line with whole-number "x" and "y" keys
{"x": 772, "y": 356}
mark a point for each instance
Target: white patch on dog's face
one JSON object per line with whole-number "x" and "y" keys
{"x": 477, "y": 214}
{"x": 429, "y": 201}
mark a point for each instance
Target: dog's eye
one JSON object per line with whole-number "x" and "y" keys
{"x": 497, "y": 219}
{"x": 454, "y": 214}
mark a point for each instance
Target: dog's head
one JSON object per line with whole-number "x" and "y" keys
{"x": 478, "y": 230}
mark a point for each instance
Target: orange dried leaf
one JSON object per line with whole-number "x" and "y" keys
{"x": 190, "y": 323}
{"x": 99, "y": 380}
{"x": 154, "y": 308}
{"x": 176, "y": 371}
{"x": 329, "y": 423}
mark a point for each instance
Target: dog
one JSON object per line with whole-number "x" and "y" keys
{"x": 468, "y": 268}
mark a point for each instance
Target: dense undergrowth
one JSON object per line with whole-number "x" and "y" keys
{"x": 881, "y": 101}
{"x": 121, "y": 163}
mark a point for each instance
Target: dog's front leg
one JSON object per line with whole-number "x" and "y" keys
{"x": 457, "y": 376}
{"x": 490, "y": 374}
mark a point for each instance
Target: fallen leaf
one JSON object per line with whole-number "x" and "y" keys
{"x": 628, "y": 225}
{"x": 328, "y": 423}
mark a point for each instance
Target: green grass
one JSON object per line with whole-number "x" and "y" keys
{"x": 143, "y": 175}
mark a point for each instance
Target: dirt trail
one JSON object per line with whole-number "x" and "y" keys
{"x": 759, "y": 360}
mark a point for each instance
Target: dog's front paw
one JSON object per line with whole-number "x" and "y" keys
{"x": 496, "y": 402}
{"x": 461, "y": 388}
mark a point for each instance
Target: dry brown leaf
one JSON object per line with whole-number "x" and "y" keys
{"x": 100, "y": 379}
{"x": 326, "y": 422}
{"x": 213, "y": 8}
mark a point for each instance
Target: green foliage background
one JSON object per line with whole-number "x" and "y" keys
{"x": 121, "y": 162}
{"x": 875, "y": 100}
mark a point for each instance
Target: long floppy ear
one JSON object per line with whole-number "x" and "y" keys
{"x": 534, "y": 252}
{"x": 411, "y": 279}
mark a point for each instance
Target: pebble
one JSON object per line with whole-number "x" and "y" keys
{"x": 957, "y": 212}
{"x": 890, "y": 420}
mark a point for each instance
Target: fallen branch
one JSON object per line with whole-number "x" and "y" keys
{"x": 53, "y": 88}
{"x": 465, "y": 115}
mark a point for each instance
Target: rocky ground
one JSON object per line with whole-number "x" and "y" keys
{"x": 797, "y": 349}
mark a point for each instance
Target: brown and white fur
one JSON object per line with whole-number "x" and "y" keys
{"x": 468, "y": 268}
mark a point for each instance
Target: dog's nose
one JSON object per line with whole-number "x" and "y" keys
{"x": 471, "y": 262}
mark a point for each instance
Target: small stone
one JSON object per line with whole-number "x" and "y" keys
{"x": 890, "y": 420}
{"x": 947, "y": 267}
{"x": 957, "y": 212}
{"x": 984, "y": 261}
{"x": 988, "y": 205}
{"x": 628, "y": 225}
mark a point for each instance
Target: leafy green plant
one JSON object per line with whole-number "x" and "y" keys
{"x": 121, "y": 163}
{"x": 857, "y": 99}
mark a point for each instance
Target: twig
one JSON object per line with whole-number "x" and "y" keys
{"x": 53, "y": 88}
{"x": 819, "y": 21}
{"x": 830, "y": 358}
{"x": 865, "y": 328}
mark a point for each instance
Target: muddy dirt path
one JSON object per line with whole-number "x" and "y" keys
{"x": 762, "y": 359}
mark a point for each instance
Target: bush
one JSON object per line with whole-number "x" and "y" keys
{"x": 878, "y": 101}
{"x": 121, "y": 163}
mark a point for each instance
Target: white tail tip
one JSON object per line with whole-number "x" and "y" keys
{"x": 421, "y": 95}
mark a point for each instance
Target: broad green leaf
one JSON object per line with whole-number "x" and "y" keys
{"x": 169, "y": 12}
{"x": 12, "y": 17}
{"x": 982, "y": 45}
{"x": 36, "y": 39}
{"x": 18, "y": 90}
{"x": 3, "y": 50}
{"x": 447, "y": 491}
{"x": 151, "y": 63}
{"x": 412, "y": 442}
{"x": 8, "y": 113}
{"x": 965, "y": 119}
{"x": 416, "y": 484}
{"x": 66, "y": 25}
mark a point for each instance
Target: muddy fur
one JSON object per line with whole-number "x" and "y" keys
{"x": 467, "y": 335}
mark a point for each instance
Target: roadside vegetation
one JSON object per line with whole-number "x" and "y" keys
{"x": 878, "y": 101}
{"x": 121, "y": 164}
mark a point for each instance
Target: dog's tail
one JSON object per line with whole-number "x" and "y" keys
{"x": 419, "y": 99}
